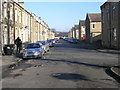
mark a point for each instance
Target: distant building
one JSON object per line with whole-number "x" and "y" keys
{"x": 70, "y": 34}
{"x": 61, "y": 34}
{"x": 111, "y": 24}
{"x": 74, "y": 32}
{"x": 82, "y": 29}
{"x": 93, "y": 27}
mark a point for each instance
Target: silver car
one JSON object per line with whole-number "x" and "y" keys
{"x": 33, "y": 50}
{"x": 45, "y": 45}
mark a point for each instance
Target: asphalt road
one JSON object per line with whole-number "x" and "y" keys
{"x": 65, "y": 66}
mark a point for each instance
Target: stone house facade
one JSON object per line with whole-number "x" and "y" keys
{"x": 93, "y": 27}
{"x": 111, "y": 24}
{"x": 18, "y": 22}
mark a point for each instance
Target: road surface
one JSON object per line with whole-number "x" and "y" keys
{"x": 65, "y": 66}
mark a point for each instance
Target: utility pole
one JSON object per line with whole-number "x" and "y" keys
{"x": 8, "y": 22}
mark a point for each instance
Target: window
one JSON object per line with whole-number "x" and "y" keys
{"x": 114, "y": 34}
{"x": 103, "y": 15}
{"x": 108, "y": 16}
{"x": 113, "y": 12}
{"x": 93, "y": 25}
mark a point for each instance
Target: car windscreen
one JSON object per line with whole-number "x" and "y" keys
{"x": 74, "y": 40}
{"x": 41, "y": 42}
{"x": 33, "y": 45}
{"x": 49, "y": 41}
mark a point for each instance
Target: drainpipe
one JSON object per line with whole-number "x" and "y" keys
{"x": 14, "y": 20}
{"x": 71, "y": 33}
{"x": 110, "y": 23}
{"x": 30, "y": 27}
{"x": 0, "y": 27}
{"x": 8, "y": 22}
{"x": 118, "y": 37}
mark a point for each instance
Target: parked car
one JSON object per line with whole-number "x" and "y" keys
{"x": 56, "y": 39}
{"x": 66, "y": 39}
{"x": 69, "y": 39}
{"x": 24, "y": 46}
{"x": 72, "y": 40}
{"x": 51, "y": 42}
{"x": 45, "y": 45}
{"x": 33, "y": 50}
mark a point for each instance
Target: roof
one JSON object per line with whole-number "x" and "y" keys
{"x": 109, "y": 2}
{"x": 94, "y": 17}
{"x": 82, "y": 22}
{"x": 103, "y": 5}
{"x": 76, "y": 27}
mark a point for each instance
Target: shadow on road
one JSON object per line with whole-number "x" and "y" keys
{"x": 18, "y": 55}
{"x": 70, "y": 76}
{"x": 76, "y": 62}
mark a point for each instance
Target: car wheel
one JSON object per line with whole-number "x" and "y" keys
{"x": 41, "y": 56}
{"x": 43, "y": 53}
{"x": 48, "y": 50}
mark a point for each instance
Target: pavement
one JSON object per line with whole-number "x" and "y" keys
{"x": 112, "y": 51}
{"x": 115, "y": 70}
{"x": 104, "y": 50}
{"x": 9, "y": 61}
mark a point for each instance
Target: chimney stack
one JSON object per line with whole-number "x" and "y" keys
{"x": 21, "y": 4}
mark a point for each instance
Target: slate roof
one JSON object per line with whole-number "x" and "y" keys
{"x": 82, "y": 22}
{"x": 76, "y": 27}
{"x": 94, "y": 17}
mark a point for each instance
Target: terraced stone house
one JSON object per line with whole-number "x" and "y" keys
{"x": 82, "y": 29}
{"x": 111, "y": 24}
{"x": 93, "y": 27}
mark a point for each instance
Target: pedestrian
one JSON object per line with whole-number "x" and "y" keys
{"x": 18, "y": 43}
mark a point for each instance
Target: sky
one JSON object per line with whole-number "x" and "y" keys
{"x": 62, "y": 15}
